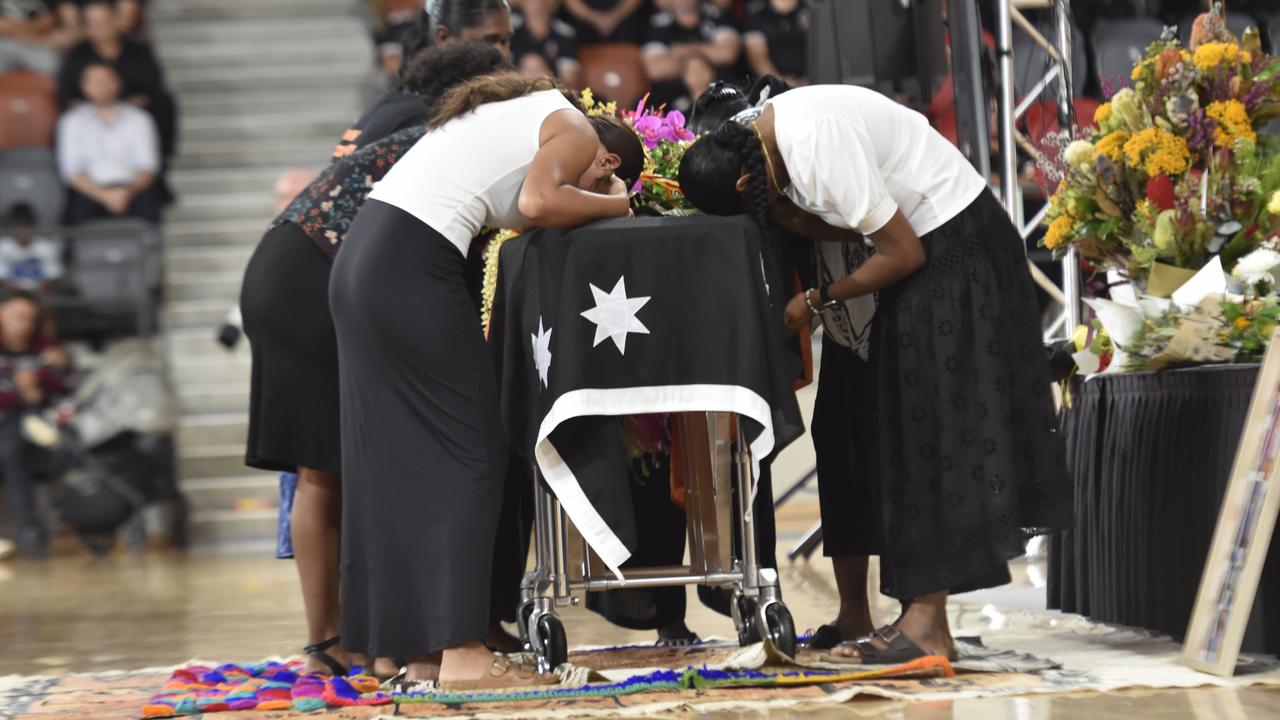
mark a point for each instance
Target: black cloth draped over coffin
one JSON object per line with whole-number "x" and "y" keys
{"x": 714, "y": 341}
{"x": 1151, "y": 454}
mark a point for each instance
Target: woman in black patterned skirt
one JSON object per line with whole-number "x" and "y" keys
{"x": 969, "y": 464}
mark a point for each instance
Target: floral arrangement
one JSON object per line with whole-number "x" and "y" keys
{"x": 1175, "y": 170}
{"x": 665, "y": 139}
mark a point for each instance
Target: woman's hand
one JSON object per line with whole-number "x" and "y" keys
{"x": 798, "y": 315}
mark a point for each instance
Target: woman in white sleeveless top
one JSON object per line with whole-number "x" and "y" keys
{"x": 423, "y": 449}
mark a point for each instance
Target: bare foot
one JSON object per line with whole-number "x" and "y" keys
{"x": 501, "y": 641}
{"x": 857, "y": 626}
{"x": 424, "y": 668}
{"x": 385, "y": 668}
{"x": 924, "y": 622}
{"x": 470, "y": 661}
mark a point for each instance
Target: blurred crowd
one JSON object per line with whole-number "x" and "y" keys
{"x": 86, "y": 130}
{"x": 672, "y": 50}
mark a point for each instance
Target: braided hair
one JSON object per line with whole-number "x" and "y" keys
{"x": 711, "y": 167}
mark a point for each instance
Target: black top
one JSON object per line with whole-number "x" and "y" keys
{"x": 395, "y": 110}
{"x": 666, "y": 31}
{"x": 786, "y": 33}
{"x": 560, "y": 43}
{"x": 139, "y": 71}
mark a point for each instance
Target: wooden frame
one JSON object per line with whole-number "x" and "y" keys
{"x": 1243, "y": 534}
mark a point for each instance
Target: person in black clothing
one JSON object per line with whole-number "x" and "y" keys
{"x": 776, "y": 34}
{"x": 487, "y": 21}
{"x": 293, "y": 416}
{"x": 608, "y": 21}
{"x": 538, "y": 32}
{"x": 134, "y": 62}
{"x": 690, "y": 27}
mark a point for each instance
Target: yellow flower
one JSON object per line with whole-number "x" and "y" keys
{"x": 1233, "y": 122}
{"x": 1059, "y": 232}
{"x": 1139, "y": 69}
{"x": 1157, "y": 152}
{"x": 1210, "y": 55}
{"x": 1144, "y": 209}
{"x": 1242, "y": 322}
{"x": 588, "y": 98}
{"x": 1102, "y": 113}
{"x": 1111, "y": 146}
{"x": 1273, "y": 206}
{"x": 1079, "y": 153}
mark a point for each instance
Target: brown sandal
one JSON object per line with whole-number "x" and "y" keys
{"x": 502, "y": 675}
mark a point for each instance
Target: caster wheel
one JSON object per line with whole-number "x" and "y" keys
{"x": 549, "y": 643}
{"x": 744, "y": 618}
{"x": 779, "y": 628}
{"x": 523, "y": 615}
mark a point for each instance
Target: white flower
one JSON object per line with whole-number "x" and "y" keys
{"x": 1079, "y": 153}
{"x": 1259, "y": 266}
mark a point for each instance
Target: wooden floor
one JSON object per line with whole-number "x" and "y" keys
{"x": 74, "y": 614}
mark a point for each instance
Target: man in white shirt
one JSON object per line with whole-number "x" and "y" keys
{"x": 108, "y": 153}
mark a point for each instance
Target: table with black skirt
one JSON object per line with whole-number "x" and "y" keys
{"x": 1152, "y": 454}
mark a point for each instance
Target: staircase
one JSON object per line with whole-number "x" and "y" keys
{"x": 262, "y": 86}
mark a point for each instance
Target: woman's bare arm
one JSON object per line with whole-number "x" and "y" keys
{"x": 899, "y": 253}
{"x": 550, "y": 197}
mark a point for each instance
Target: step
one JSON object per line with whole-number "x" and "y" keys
{"x": 296, "y": 152}
{"x": 294, "y": 49}
{"x": 213, "y": 530}
{"x": 198, "y": 181}
{"x": 184, "y": 259}
{"x": 277, "y": 125}
{"x": 233, "y": 368}
{"x": 212, "y": 105}
{"x": 204, "y": 286}
{"x": 201, "y": 207}
{"x": 270, "y": 75}
{"x": 220, "y": 233}
{"x": 259, "y": 491}
{"x": 207, "y": 315}
{"x": 209, "y": 429}
{"x": 163, "y": 12}
{"x": 196, "y": 343}
{"x": 213, "y": 397}
{"x": 211, "y": 460}
{"x": 252, "y": 32}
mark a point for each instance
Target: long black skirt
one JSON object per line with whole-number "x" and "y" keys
{"x": 423, "y": 453}
{"x": 293, "y": 393}
{"x": 971, "y": 463}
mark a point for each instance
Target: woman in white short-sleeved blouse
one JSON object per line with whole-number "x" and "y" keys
{"x": 968, "y": 462}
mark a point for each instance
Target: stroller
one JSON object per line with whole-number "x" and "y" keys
{"x": 112, "y": 449}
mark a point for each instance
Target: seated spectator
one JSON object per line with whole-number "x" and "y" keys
{"x": 130, "y": 15}
{"x": 777, "y": 34}
{"x": 600, "y": 21}
{"x": 31, "y": 373}
{"x": 538, "y": 32}
{"x": 689, "y": 27}
{"x": 698, "y": 76}
{"x": 108, "y": 153}
{"x": 28, "y": 37}
{"x": 29, "y": 261}
{"x": 134, "y": 63}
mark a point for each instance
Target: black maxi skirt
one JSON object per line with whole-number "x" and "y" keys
{"x": 293, "y": 393}
{"x": 423, "y": 453}
{"x": 971, "y": 463}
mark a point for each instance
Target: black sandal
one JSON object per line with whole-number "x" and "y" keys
{"x": 825, "y": 638}
{"x": 317, "y": 651}
{"x": 900, "y": 649}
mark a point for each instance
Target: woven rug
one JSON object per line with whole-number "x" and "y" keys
{"x": 1026, "y": 654}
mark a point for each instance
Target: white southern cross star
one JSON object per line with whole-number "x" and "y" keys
{"x": 615, "y": 315}
{"x": 542, "y": 351}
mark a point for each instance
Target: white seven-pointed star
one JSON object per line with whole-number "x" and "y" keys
{"x": 542, "y": 351}
{"x": 615, "y": 315}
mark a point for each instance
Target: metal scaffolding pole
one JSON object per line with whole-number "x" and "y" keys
{"x": 1071, "y": 282}
{"x": 1008, "y": 148}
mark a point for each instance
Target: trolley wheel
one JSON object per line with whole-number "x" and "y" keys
{"x": 523, "y": 615}
{"x": 550, "y": 644}
{"x": 744, "y": 618}
{"x": 779, "y": 628}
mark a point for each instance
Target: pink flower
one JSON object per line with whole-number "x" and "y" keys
{"x": 649, "y": 128}
{"x": 675, "y": 119}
